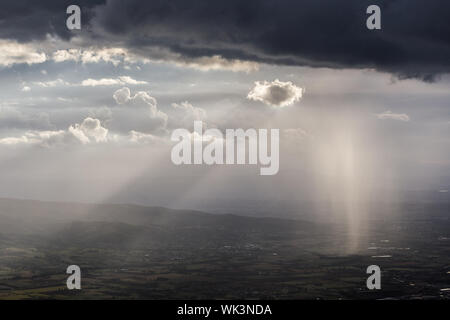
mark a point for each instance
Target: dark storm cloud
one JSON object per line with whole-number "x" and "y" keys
{"x": 414, "y": 40}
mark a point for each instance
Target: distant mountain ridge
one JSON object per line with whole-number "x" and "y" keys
{"x": 124, "y": 224}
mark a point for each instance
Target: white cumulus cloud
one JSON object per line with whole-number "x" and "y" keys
{"x": 89, "y": 131}
{"x": 122, "y": 96}
{"x": 276, "y": 93}
{"x": 185, "y": 114}
{"x": 393, "y": 116}
{"x": 141, "y": 111}
{"x": 52, "y": 83}
{"x": 142, "y": 138}
{"x": 92, "y": 55}
{"x": 123, "y": 80}
{"x": 12, "y": 52}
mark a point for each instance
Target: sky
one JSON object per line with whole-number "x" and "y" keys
{"x": 86, "y": 115}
